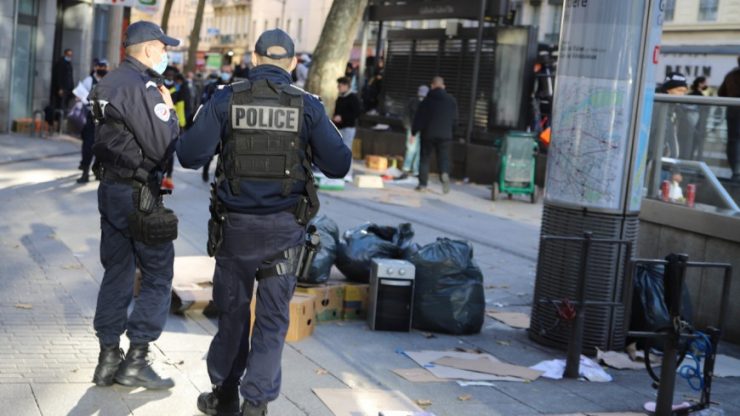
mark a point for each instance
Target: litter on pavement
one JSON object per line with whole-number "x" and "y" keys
{"x": 513, "y": 319}
{"x": 618, "y": 360}
{"x": 427, "y": 360}
{"x": 588, "y": 369}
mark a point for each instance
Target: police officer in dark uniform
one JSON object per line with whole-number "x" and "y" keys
{"x": 135, "y": 133}
{"x": 268, "y": 133}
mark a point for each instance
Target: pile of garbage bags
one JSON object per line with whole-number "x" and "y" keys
{"x": 448, "y": 295}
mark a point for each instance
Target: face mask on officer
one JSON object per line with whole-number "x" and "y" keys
{"x": 101, "y": 72}
{"x": 225, "y": 76}
{"x": 158, "y": 56}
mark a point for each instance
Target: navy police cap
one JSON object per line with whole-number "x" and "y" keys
{"x": 143, "y": 31}
{"x": 275, "y": 37}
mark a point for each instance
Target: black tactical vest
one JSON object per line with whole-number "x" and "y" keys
{"x": 263, "y": 142}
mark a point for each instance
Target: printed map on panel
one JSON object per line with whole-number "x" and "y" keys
{"x": 589, "y": 129}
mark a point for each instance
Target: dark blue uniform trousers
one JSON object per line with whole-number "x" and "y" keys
{"x": 249, "y": 242}
{"x": 118, "y": 254}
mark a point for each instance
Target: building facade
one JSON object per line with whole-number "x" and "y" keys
{"x": 180, "y": 25}
{"x": 700, "y": 38}
{"x": 34, "y": 33}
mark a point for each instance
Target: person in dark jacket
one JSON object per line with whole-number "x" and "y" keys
{"x": 731, "y": 88}
{"x": 62, "y": 82}
{"x": 259, "y": 211}
{"x": 435, "y": 120}
{"x": 347, "y": 110}
{"x": 134, "y": 134}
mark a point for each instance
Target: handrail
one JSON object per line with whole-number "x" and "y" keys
{"x": 696, "y": 99}
{"x": 711, "y": 178}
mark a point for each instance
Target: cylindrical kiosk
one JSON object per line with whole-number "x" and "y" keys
{"x": 596, "y": 162}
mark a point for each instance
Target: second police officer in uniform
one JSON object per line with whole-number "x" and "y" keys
{"x": 136, "y": 127}
{"x": 267, "y": 134}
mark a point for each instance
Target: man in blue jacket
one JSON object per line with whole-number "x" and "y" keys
{"x": 267, "y": 133}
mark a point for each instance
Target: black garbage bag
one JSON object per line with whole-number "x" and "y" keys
{"x": 649, "y": 310}
{"x": 329, "y": 235}
{"x": 361, "y": 244}
{"x": 448, "y": 293}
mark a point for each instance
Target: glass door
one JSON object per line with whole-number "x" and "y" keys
{"x": 23, "y": 70}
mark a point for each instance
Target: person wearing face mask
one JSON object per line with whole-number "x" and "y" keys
{"x": 136, "y": 127}
{"x": 100, "y": 69}
{"x": 62, "y": 83}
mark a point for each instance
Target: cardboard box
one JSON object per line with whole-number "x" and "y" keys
{"x": 192, "y": 282}
{"x": 355, "y": 301}
{"x": 376, "y": 162}
{"x": 368, "y": 181}
{"x": 302, "y": 316}
{"x": 329, "y": 300}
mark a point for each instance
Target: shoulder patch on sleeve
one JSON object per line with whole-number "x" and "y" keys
{"x": 150, "y": 84}
{"x": 162, "y": 112}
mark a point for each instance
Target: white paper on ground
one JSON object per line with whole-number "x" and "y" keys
{"x": 588, "y": 369}
{"x": 726, "y": 366}
{"x": 475, "y": 383}
{"x": 650, "y": 406}
{"x": 426, "y": 358}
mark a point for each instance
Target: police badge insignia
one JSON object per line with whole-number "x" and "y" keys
{"x": 162, "y": 112}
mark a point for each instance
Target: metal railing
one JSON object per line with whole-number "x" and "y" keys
{"x": 688, "y": 135}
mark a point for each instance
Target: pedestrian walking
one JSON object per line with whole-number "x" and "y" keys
{"x": 301, "y": 70}
{"x": 88, "y": 131}
{"x": 259, "y": 213}
{"x": 62, "y": 83}
{"x": 347, "y": 111}
{"x": 731, "y": 88}
{"x": 411, "y": 158}
{"x": 136, "y": 128}
{"x": 435, "y": 121}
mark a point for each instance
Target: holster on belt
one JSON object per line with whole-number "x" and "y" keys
{"x": 151, "y": 223}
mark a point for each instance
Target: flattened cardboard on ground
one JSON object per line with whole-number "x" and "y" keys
{"x": 426, "y": 358}
{"x": 192, "y": 279}
{"x": 513, "y": 319}
{"x": 484, "y": 365}
{"x": 726, "y": 366}
{"x": 618, "y": 360}
{"x": 418, "y": 375}
{"x": 365, "y": 402}
{"x": 400, "y": 197}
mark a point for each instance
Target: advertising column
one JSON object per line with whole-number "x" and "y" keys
{"x": 596, "y": 161}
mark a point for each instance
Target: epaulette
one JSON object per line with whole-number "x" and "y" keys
{"x": 242, "y": 85}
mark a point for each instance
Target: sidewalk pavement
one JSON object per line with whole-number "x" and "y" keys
{"x": 50, "y": 273}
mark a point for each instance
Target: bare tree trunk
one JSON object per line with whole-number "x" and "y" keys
{"x": 166, "y": 14}
{"x": 195, "y": 37}
{"x": 332, "y": 53}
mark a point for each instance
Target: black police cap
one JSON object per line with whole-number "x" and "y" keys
{"x": 275, "y": 37}
{"x": 143, "y": 31}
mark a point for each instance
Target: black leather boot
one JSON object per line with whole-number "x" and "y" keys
{"x": 222, "y": 401}
{"x": 137, "y": 371}
{"x": 109, "y": 359}
{"x": 248, "y": 409}
{"x": 85, "y": 178}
